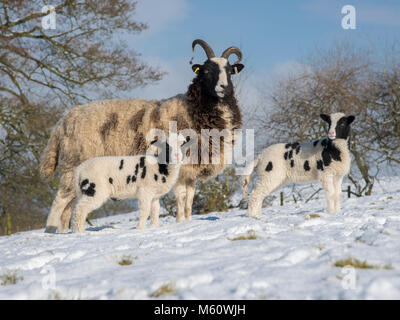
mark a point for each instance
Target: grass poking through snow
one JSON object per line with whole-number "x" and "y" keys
{"x": 165, "y": 289}
{"x": 352, "y": 262}
{"x": 9, "y": 278}
{"x": 251, "y": 235}
{"x": 126, "y": 260}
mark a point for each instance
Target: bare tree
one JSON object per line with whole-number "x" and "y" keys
{"x": 45, "y": 71}
{"x": 340, "y": 79}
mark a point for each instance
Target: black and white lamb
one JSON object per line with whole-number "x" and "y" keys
{"x": 145, "y": 177}
{"x": 326, "y": 160}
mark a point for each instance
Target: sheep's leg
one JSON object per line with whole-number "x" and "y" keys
{"x": 190, "y": 189}
{"x": 180, "y": 195}
{"x": 338, "y": 191}
{"x": 64, "y": 196}
{"x": 81, "y": 209}
{"x": 155, "y": 212}
{"x": 262, "y": 189}
{"x": 66, "y": 217}
{"x": 144, "y": 206}
{"x": 60, "y": 202}
{"x": 330, "y": 192}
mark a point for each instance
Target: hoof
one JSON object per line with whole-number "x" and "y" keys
{"x": 50, "y": 229}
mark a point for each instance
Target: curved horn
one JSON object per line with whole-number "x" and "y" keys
{"x": 209, "y": 52}
{"x": 232, "y": 50}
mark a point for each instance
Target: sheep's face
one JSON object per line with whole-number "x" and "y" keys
{"x": 215, "y": 76}
{"x": 339, "y": 125}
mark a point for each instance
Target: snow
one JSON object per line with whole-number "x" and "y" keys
{"x": 292, "y": 256}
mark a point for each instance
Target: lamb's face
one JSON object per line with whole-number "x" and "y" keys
{"x": 174, "y": 147}
{"x": 215, "y": 76}
{"x": 171, "y": 148}
{"x": 339, "y": 125}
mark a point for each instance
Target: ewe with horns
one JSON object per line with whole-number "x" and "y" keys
{"x": 120, "y": 127}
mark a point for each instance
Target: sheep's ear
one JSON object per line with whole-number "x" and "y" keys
{"x": 325, "y": 117}
{"x": 236, "y": 68}
{"x": 350, "y": 119}
{"x": 196, "y": 68}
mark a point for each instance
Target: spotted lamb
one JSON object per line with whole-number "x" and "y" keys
{"x": 326, "y": 160}
{"x": 145, "y": 177}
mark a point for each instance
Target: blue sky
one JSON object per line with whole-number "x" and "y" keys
{"x": 271, "y": 34}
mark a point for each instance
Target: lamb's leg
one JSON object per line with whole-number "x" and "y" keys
{"x": 328, "y": 185}
{"x": 60, "y": 202}
{"x": 190, "y": 189}
{"x": 262, "y": 189}
{"x": 155, "y": 212}
{"x": 338, "y": 191}
{"x": 144, "y": 207}
{"x": 180, "y": 195}
{"x": 81, "y": 209}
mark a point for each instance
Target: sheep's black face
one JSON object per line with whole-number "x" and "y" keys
{"x": 215, "y": 76}
{"x": 339, "y": 125}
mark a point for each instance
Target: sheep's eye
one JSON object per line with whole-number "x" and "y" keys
{"x": 205, "y": 71}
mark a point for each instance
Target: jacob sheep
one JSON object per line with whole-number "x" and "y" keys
{"x": 145, "y": 177}
{"x": 119, "y": 127}
{"x": 326, "y": 160}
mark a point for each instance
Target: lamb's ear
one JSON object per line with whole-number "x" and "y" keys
{"x": 325, "y": 117}
{"x": 157, "y": 143}
{"x": 350, "y": 119}
{"x": 188, "y": 142}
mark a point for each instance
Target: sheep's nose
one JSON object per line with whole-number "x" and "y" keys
{"x": 223, "y": 86}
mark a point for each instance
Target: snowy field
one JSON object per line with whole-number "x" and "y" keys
{"x": 291, "y": 254}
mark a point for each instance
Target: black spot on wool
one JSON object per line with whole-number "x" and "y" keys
{"x": 110, "y": 180}
{"x": 269, "y": 166}
{"x": 292, "y": 163}
{"x": 287, "y": 145}
{"x": 324, "y": 142}
{"x": 133, "y": 179}
{"x": 142, "y": 159}
{"x": 164, "y": 180}
{"x": 307, "y": 165}
{"x": 298, "y": 149}
{"x": 121, "y": 165}
{"x": 89, "y": 191}
{"x": 143, "y": 173}
{"x": 286, "y": 155}
{"x": 84, "y": 182}
{"x": 330, "y": 153}
{"x": 155, "y": 177}
{"x": 136, "y": 169}
{"x": 320, "y": 165}
{"x": 163, "y": 168}
{"x": 128, "y": 179}
{"x": 291, "y": 154}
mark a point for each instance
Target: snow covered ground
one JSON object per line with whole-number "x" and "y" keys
{"x": 292, "y": 256}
